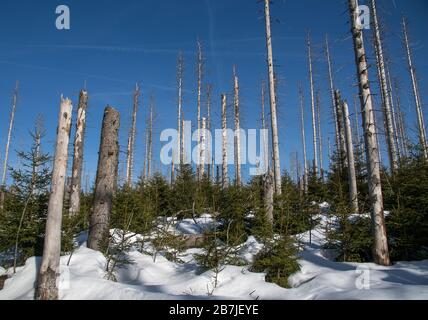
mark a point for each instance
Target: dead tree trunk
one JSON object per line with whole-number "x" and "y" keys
{"x": 418, "y": 104}
{"x": 146, "y": 152}
{"x": 199, "y": 63}
{"x": 401, "y": 123}
{"x": 266, "y": 164}
{"x": 203, "y": 145}
{"x": 352, "y": 178}
{"x": 314, "y": 126}
{"x": 180, "y": 73}
{"x": 9, "y": 137}
{"x": 343, "y": 161}
{"x": 150, "y": 140}
{"x": 394, "y": 116}
{"x": 237, "y": 139}
{"x": 302, "y": 124}
{"x": 106, "y": 180}
{"x": 389, "y": 128}
{"x": 225, "y": 178}
{"x": 333, "y": 103}
{"x": 210, "y": 170}
{"x": 275, "y": 138}
{"x": 131, "y": 139}
{"x": 318, "y": 109}
{"x": 268, "y": 195}
{"x": 47, "y": 288}
{"x": 79, "y": 141}
{"x": 380, "y": 250}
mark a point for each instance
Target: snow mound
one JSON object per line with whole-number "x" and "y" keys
{"x": 195, "y": 226}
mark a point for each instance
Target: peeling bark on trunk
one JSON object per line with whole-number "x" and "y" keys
{"x": 268, "y": 194}
{"x": 380, "y": 249}
{"x": 47, "y": 288}
{"x": 352, "y": 178}
{"x": 79, "y": 142}
{"x": 106, "y": 180}
{"x": 272, "y": 94}
{"x": 314, "y": 126}
{"x": 343, "y": 161}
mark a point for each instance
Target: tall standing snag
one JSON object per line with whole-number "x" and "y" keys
{"x": 9, "y": 137}
{"x": 380, "y": 249}
{"x": 106, "y": 180}
{"x": 386, "y": 97}
{"x": 352, "y": 178}
{"x": 418, "y": 104}
{"x": 314, "y": 126}
{"x": 237, "y": 138}
{"x": 225, "y": 178}
{"x": 302, "y": 123}
{"x": 47, "y": 288}
{"x": 79, "y": 140}
{"x": 272, "y": 94}
{"x": 131, "y": 139}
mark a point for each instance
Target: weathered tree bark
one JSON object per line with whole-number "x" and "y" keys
{"x": 318, "y": 109}
{"x": 394, "y": 116}
{"x": 150, "y": 140}
{"x": 79, "y": 142}
{"x": 131, "y": 139}
{"x": 352, "y": 178}
{"x": 401, "y": 123}
{"x": 6, "y": 153}
{"x": 380, "y": 249}
{"x": 343, "y": 161}
{"x": 180, "y": 73}
{"x": 268, "y": 195}
{"x": 106, "y": 180}
{"x": 302, "y": 127}
{"x": 47, "y": 288}
{"x": 272, "y": 94}
{"x": 203, "y": 153}
{"x": 389, "y": 128}
{"x": 199, "y": 63}
{"x": 314, "y": 126}
{"x": 331, "y": 82}
{"x": 225, "y": 178}
{"x": 237, "y": 138}
{"x": 266, "y": 162}
{"x": 146, "y": 153}
{"x": 210, "y": 170}
{"x": 418, "y": 104}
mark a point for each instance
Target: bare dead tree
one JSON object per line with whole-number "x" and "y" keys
{"x": 343, "y": 161}
{"x": 106, "y": 180}
{"x": 352, "y": 177}
{"x": 401, "y": 123}
{"x": 237, "y": 138}
{"x": 320, "y": 146}
{"x": 200, "y": 67}
{"x": 421, "y": 124}
{"x": 225, "y": 178}
{"x": 180, "y": 74}
{"x": 314, "y": 126}
{"x": 264, "y": 127}
{"x": 9, "y": 138}
{"x": 380, "y": 249}
{"x": 302, "y": 128}
{"x": 273, "y": 105}
{"x": 79, "y": 142}
{"x": 150, "y": 139}
{"x": 131, "y": 138}
{"x": 386, "y": 98}
{"x": 210, "y": 171}
{"x": 331, "y": 82}
{"x": 47, "y": 288}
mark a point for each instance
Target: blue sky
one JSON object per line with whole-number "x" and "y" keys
{"x": 113, "y": 44}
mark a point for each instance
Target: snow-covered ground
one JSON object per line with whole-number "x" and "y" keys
{"x": 146, "y": 278}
